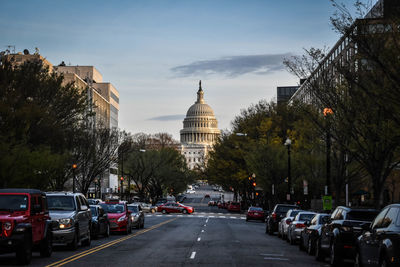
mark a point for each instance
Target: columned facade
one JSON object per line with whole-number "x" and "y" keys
{"x": 200, "y": 131}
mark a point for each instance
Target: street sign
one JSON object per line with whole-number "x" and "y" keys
{"x": 305, "y": 185}
{"x": 288, "y": 197}
{"x": 327, "y": 202}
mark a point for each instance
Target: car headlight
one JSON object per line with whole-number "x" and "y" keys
{"x": 7, "y": 226}
{"x": 65, "y": 223}
{"x": 122, "y": 218}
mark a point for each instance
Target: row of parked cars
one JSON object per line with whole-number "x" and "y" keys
{"x": 364, "y": 237}
{"x": 33, "y": 220}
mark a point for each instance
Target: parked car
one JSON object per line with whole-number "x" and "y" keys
{"x": 172, "y": 207}
{"x": 100, "y": 222}
{"x": 255, "y": 213}
{"x": 276, "y": 216}
{"x": 220, "y": 204}
{"x": 379, "y": 245}
{"x": 339, "y": 235}
{"x": 312, "y": 232}
{"x": 25, "y": 223}
{"x": 190, "y": 191}
{"x": 283, "y": 225}
{"x": 297, "y": 225}
{"x": 234, "y": 206}
{"x": 73, "y": 219}
{"x": 146, "y": 207}
{"x": 94, "y": 201}
{"x": 137, "y": 216}
{"x": 118, "y": 215}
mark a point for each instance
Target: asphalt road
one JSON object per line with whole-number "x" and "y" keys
{"x": 209, "y": 237}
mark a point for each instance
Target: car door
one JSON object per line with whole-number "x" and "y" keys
{"x": 326, "y": 233}
{"x": 368, "y": 244}
{"x": 82, "y": 216}
{"x": 101, "y": 219}
{"x": 37, "y": 217}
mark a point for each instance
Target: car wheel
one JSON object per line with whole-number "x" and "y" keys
{"x": 46, "y": 246}
{"x": 24, "y": 251}
{"x": 270, "y": 232}
{"x": 319, "y": 256}
{"x": 164, "y": 211}
{"x": 184, "y": 211}
{"x": 291, "y": 241}
{"x": 357, "y": 259}
{"x": 335, "y": 258}
{"x": 88, "y": 239}
{"x": 107, "y": 233}
{"x": 74, "y": 243}
{"x": 310, "y": 249}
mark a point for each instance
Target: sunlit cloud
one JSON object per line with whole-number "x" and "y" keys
{"x": 168, "y": 118}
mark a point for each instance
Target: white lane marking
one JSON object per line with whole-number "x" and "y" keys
{"x": 220, "y": 213}
{"x": 180, "y": 215}
{"x": 193, "y": 255}
{"x": 169, "y": 215}
{"x": 221, "y": 216}
{"x": 207, "y": 220}
{"x": 233, "y": 217}
{"x": 149, "y": 215}
{"x": 212, "y": 216}
{"x": 200, "y": 216}
{"x": 158, "y": 215}
{"x": 276, "y": 259}
{"x": 198, "y": 239}
{"x": 243, "y": 218}
{"x": 205, "y": 225}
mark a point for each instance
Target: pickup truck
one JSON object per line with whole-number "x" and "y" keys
{"x": 339, "y": 235}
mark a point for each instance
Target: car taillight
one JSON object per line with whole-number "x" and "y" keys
{"x": 300, "y": 225}
{"x": 273, "y": 215}
{"x": 288, "y": 221}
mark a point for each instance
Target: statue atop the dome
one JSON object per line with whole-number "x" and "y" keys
{"x": 200, "y": 86}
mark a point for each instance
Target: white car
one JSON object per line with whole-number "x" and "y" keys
{"x": 190, "y": 191}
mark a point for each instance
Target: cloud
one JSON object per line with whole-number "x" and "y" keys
{"x": 168, "y": 118}
{"x": 234, "y": 66}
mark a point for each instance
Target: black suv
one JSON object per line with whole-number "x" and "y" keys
{"x": 276, "y": 216}
{"x": 24, "y": 223}
{"x": 339, "y": 234}
{"x": 73, "y": 218}
{"x": 379, "y": 245}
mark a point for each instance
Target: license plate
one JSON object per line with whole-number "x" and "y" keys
{"x": 256, "y": 213}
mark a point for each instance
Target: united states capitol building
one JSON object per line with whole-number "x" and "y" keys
{"x": 199, "y": 133}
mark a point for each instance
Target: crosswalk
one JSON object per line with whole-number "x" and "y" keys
{"x": 200, "y": 215}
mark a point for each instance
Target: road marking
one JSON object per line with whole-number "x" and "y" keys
{"x": 158, "y": 215}
{"x": 212, "y": 216}
{"x": 106, "y": 245}
{"x": 233, "y": 217}
{"x": 205, "y": 225}
{"x": 221, "y": 216}
{"x": 193, "y": 255}
{"x": 169, "y": 215}
{"x": 276, "y": 259}
{"x": 201, "y": 216}
{"x": 243, "y": 218}
{"x": 198, "y": 239}
{"x": 207, "y": 220}
{"x": 149, "y": 215}
{"x": 202, "y": 231}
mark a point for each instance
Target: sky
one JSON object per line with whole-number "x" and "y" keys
{"x": 155, "y": 51}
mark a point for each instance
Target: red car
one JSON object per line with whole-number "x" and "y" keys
{"x": 118, "y": 215}
{"x": 172, "y": 207}
{"x": 234, "y": 206}
{"x": 255, "y": 213}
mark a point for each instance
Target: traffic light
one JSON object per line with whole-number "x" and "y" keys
{"x": 254, "y": 184}
{"x": 122, "y": 179}
{"x": 74, "y": 166}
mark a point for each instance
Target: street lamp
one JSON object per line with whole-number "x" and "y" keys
{"x": 74, "y": 166}
{"x": 122, "y": 184}
{"x": 327, "y": 113}
{"x": 288, "y": 143}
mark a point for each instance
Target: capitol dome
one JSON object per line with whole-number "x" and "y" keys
{"x": 200, "y": 125}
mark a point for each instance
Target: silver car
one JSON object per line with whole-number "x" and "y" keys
{"x": 137, "y": 216}
{"x": 72, "y": 217}
{"x": 297, "y": 226}
{"x": 283, "y": 225}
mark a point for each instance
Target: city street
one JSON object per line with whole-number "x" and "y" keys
{"x": 210, "y": 236}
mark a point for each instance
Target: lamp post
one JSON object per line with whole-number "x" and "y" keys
{"x": 327, "y": 113}
{"x": 74, "y": 166}
{"x": 288, "y": 143}
{"x": 122, "y": 186}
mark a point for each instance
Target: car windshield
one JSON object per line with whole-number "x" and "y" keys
{"x": 306, "y": 216}
{"x": 113, "y": 208}
{"x": 13, "y": 202}
{"x": 134, "y": 209}
{"x": 294, "y": 213}
{"x": 93, "y": 211}
{"x": 284, "y": 209}
{"x": 360, "y": 215}
{"x": 255, "y": 209}
{"x": 322, "y": 220}
{"x": 60, "y": 202}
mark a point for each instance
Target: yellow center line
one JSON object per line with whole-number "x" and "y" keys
{"x": 106, "y": 245}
